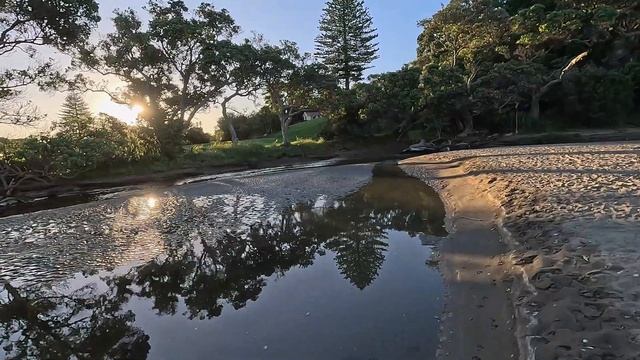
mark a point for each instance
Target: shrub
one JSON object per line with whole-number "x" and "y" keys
{"x": 196, "y": 135}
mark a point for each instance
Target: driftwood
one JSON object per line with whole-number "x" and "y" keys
{"x": 13, "y": 178}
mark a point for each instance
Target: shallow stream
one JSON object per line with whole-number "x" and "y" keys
{"x": 229, "y": 271}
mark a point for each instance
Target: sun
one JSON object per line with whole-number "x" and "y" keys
{"x": 126, "y": 114}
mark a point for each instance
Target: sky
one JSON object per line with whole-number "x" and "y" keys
{"x": 296, "y": 20}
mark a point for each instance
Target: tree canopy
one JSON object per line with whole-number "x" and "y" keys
{"x": 161, "y": 63}
{"x": 483, "y": 59}
{"x": 26, "y": 25}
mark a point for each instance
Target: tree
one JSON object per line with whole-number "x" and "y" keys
{"x": 242, "y": 65}
{"x": 196, "y": 135}
{"x": 160, "y": 64}
{"x": 25, "y": 25}
{"x": 346, "y": 41}
{"x": 551, "y": 80}
{"x": 388, "y": 103}
{"x": 290, "y": 83}
{"x": 75, "y": 117}
{"x": 257, "y": 124}
{"x": 392, "y": 100}
{"x": 454, "y": 49}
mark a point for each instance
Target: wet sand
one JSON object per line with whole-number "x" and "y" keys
{"x": 564, "y": 249}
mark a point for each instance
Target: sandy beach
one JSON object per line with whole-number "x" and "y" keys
{"x": 568, "y": 217}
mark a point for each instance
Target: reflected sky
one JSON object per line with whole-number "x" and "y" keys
{"x": 237, "y": 276}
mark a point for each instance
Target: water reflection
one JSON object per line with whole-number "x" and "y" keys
{"x": 224, "y": 260}
{"x": 83, "y": 324}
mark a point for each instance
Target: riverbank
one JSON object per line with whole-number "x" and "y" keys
{"x": 570, "y": 216}
{"x": 478, "y": 319}
{"x": 216, "y": 159}
{"x": 69, "y": 191}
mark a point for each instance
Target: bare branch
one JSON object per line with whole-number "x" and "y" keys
{"x": 16, "y": 113}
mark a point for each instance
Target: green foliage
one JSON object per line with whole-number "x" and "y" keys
{"x": 632, "y": 72}
{"x": 389, "y": 103}
{"x": 255, "y": 125}
{"x": 391, "y": 99}
{"x": 106, "y": 143}
{"x": 60, "y": 23}
{"x": 346, "y": 41}
{"x": 599, "y": 97}
{"x": 196, "y": 135}
{"x": 167, "y": 65}
{"x": 485, "y": 61}
{"x": 292, "y": 84}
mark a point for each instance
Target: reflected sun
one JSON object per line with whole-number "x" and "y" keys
{"x": 126, "y": 114}
{"x": 152, "y": 202}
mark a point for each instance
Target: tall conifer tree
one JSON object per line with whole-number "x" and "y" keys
{"x": 346, "y": 43}
{"x": 75, "y": 117}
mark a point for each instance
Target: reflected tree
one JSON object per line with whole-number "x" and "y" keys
{"x": 80, "y": 325}
{"x": 209, "y": 267}
{"x": 359, "y": 223}
{"x": 229, "y": 269}
{"x": 219, "y": 268}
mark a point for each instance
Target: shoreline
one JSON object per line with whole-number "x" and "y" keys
{"x": 570, "y": 219}
{"x": 82, "y": 191}
{"x": 478, "y": 321}
{"x": 347, "y": 155}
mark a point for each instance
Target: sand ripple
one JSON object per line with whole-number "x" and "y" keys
{"x": 573, "y": 212}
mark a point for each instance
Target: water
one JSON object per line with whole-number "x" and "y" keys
{"x": 236, "y": 276}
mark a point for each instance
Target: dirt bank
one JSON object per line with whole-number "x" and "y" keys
{"x": 571, "y": 235}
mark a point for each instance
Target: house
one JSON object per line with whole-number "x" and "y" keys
{"x": 310, "y": 115}
{"x": 304, "y": 115}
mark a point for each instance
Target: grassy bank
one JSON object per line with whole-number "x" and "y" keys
{"x": 302, "y": 131}
{"x": 305, "y": 143}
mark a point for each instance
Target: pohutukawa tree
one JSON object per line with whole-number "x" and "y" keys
{"x": 454, "y": 48}
{"x": 26, "y": 25}
{"x": 290, "y": 82}
{"x": 346, "y": 43}
{"x": 161, "y": 64}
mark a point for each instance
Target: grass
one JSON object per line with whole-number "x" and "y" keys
{"x": 249, "y": 153}
{"x": 305, "y": 142}
{"x": 305, "y": 130}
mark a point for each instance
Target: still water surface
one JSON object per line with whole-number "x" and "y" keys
{"x": 235, "y": 276}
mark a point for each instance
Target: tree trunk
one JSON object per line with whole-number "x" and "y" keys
{"x": 227, "y": 119}
{"x": 234, "y": 134}
{"x": 534, "y": 113}
{"x": 285, "y": 120}
{"x": 284, "y": 126}
{"x": 347, "y": 82}
{"x": 467, "y": 119}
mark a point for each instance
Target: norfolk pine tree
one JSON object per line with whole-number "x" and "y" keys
{"x": 346, "y": 41}
{"x": 75, "y": 116}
